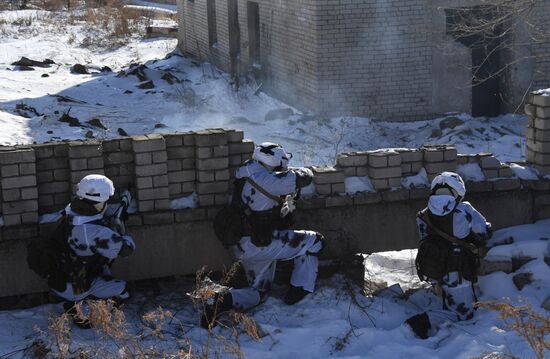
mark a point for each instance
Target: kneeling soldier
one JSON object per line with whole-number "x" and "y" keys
{"x": 76, "y": 260}
{"x": 452, "y": 233}
{"x": 265, "y": 189}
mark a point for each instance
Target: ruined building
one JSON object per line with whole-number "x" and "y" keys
{"x": 390, "y": 59}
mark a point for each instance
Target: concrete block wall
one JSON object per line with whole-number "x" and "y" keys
{"x": 180, "y": 148}
{"x": 84, "y": 158}
{"x": 53, "y": 176}
{"x": 329, "y": 180}
{"x": 151, "y": 173}
{"x": 240, "y": 150}
{"x": 538, "y": 132}
{"x": 40, "y": 179}
{"x": 489, "y": 164}
{"x": 166, "y": 167}
{"x": 212, "y": 165}
{"x": 19, "y": 190}
{"x": 439, "y": 158}
{"x": 385, "y": 169}
{"x": 353, "y": 163}
{"x": 118, "y": 160}
{"x": 492, "y": 168}
{"x": 411, "y": 161}
{"x": 27, "y": 172}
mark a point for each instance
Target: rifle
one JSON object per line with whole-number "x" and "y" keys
{"x": 287, "y": 203}
{"x": 121, "y": 213}
{"x": 478, "y": 251}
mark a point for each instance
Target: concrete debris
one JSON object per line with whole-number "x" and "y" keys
{"x": 522, "y": 279}
{"x": 450, "y": 122}
{"x": 146, "y": 85}
{"x": 26, "y": 62}
{"x": 79, "y": 69}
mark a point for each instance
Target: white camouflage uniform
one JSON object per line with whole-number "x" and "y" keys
{"x": 298, "y": 245}
{"x": 458, "y": 293}
{"x": 88, "y": 239}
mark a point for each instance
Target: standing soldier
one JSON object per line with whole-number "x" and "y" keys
{"x": 450, "y": 232}
{"x": 265, "y": 188}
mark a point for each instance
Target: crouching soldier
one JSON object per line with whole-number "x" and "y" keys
{"x": 77, "y": 258}
{"x": 265, "y": 188}
{"x": 452, "y": 235}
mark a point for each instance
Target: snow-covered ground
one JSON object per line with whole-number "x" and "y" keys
{"x": 201, "y": 97}
{"x": 336, "y": 321}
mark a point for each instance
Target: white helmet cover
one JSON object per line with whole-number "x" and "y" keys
{"x": 96, "y": 188}
{"x": 451, "y": 181}
{"x": 271, "y": 154}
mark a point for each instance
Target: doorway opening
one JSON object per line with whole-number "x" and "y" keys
{"x": 253, "y": 15}
{"x": 234, "y": 39}
{"x": 474, "y": 27}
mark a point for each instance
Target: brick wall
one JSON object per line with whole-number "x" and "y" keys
{"x": 41, "y": 179}
{"x": 19, "y": 190}
{"x": 538, "y": 132}
{"x": 347, "y": 57}
{"x": 180, "y": 150}
{"x": 335, "y": 57}
{"x": 372, "y": 51}
{"x": 118, "y": 160}
{"x": 541, "y": 49}
{"x": 289, "y": 55}
{"x": 53, "y": 176}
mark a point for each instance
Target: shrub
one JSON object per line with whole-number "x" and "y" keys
{"x": 533, "y": 327}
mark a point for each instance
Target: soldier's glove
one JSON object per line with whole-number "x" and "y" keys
{"x": 126, "y": 199}
{"x": 127, "y": 248}
{"x": 481, "y": 238}
{"x": 288, "y": 206}
{"x": 118, "y": 226}
{"x": 304, "y": 176}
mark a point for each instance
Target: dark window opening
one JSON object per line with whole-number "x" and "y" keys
{"x": 253, "y": 14}
{"x": 211, "y": 15}
{"x": 475, "y": 28}
{"x": 234, "y": 38}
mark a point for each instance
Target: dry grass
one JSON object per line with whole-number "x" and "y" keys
{"x": 227, "y": 339}
{"x": 152, "y": 337}
{"x": 533, "y": 327}
{"x": 112, "y": 25}
{"x": 50, "y": 5}
{"x": 106, "y": 24}
{"x": 118, "y": 338}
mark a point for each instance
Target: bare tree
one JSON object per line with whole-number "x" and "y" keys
{"x": 510, "y": 40}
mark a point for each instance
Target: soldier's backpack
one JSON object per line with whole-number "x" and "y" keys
{"x": 230, "y": 222}
{"x": 47, "y": 254}
{"x": 229, "y": 225}
{"x": 434, "y": 259}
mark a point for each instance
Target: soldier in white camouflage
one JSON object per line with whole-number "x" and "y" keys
{"x": 267, "y": 186}
{"x": 94, "y": 242}
{"x": 447, "y": 215}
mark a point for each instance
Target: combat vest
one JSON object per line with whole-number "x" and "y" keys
{"x": 441, "y": 252}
